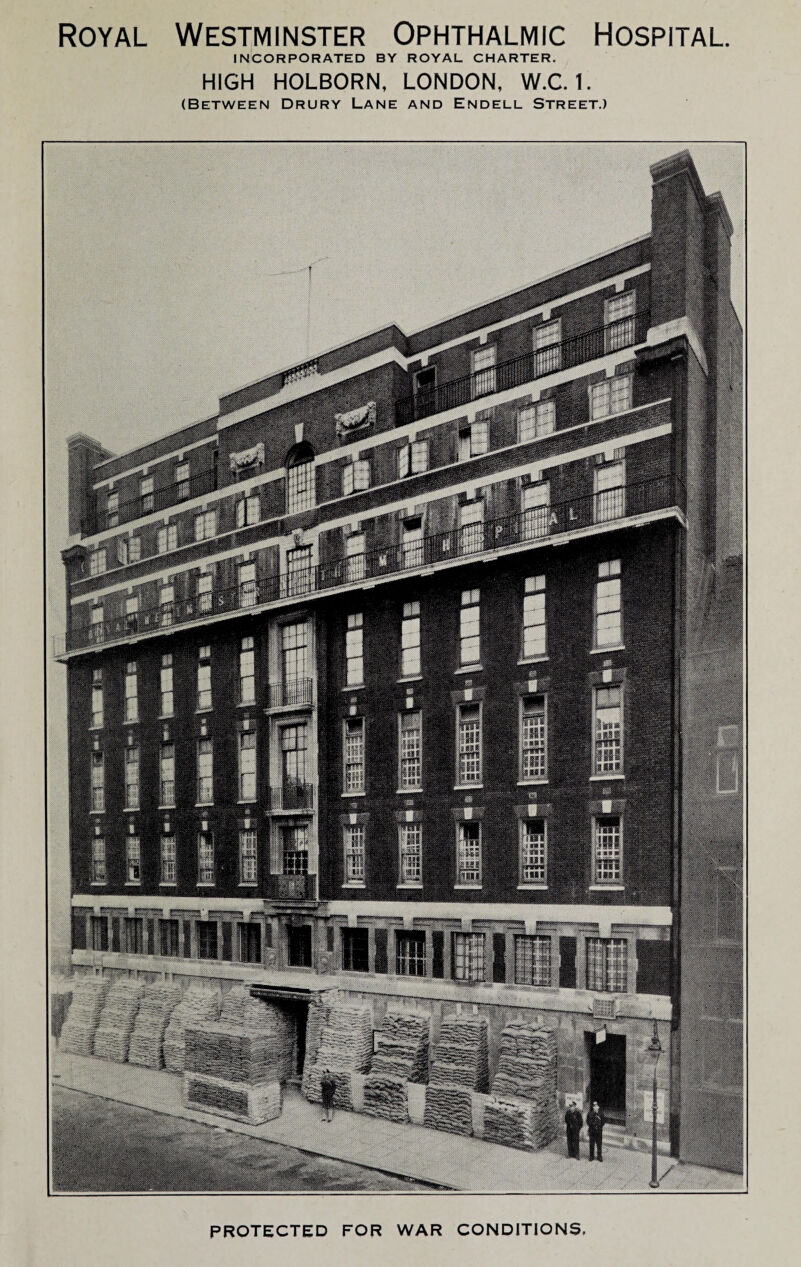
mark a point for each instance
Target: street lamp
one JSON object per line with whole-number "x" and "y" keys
{"x": 655, "y": 1050}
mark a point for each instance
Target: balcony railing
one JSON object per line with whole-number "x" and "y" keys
{"x": 472, "y": 541}
{"x": 289, "y": 694}
{"x": 296, "y": 796}
{"x": 292, "y": 888}
{"x": 161, "y": 498}
{"x": 587, "y": 346}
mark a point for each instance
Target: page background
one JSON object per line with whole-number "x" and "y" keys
{"x": 748, "y": 92}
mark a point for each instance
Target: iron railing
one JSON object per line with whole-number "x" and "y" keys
{"x": 583, "y": 347}
{"x": 288, "y": 694}
{"x": 173, "y": 495}
{"x": 472, "y": 541}
{"x": 295, "y": 796}
{"x": 292, "y": 888}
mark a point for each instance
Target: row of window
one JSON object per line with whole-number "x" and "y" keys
{"x": 606, "y": 958}
{"x": 609, "y": 496}
{"x": 607, "y": 750}
{"x": 291, "y": 854}
{"x": 294, "y": 648}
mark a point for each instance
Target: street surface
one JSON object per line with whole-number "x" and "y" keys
{"x": 103, "y": 1146}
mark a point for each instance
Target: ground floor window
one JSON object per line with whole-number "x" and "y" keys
{"x": 299, "y": 945}
{"x": 207, "y": 939}
{"x": 99, "y": 932}
{"x": 410, "y": 954}
{"x": 607, "y": 964}
{"x": 355, "y": 949}
{"x": 168, "y": 937}
{"x": 249, "y": 943}
{"x": 134, "y": 936}
{"x": 468, "y": 956}
{"x": 295, "y": 849}
{"x": 533, "y": 961}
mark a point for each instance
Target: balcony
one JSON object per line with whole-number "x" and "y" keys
{"x": 293, "y": 796}
{"x": 173, "y": 495}
{"x": 293, "y": 693}
{"x": 292, "y": 888}
{"x": 587, "y": 346}
{"x": 543, "y": 523}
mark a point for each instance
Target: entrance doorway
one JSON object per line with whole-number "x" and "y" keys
{"x": 606, "y": 1062}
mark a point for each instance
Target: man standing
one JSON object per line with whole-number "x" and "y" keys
{"x": 328, "y": 1089}
{"x": 595, "y": 1126}
{"x": 573, "y": 1124}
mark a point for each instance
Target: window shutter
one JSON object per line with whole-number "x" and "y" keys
{"x": 150, "y": 947}
{"x": 226, "y": 941}
{"x": 381, "y": 950}
{"x": 115, "y": 934}
{"x": 268, "y": 935}
{"x": 438, "y": 953}
{"x": 499, "y": 958}
{"x": 187, "y": 939}
{"x": 567, "y": 963}
{"x": 329, "y": 939}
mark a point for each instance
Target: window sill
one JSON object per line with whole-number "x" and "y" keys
{"x": 166, "y": 716}
{"x": 97, "y": 811}
{"x": 617, "y": 646}
{"x": 94, "y": 729}
{"x": 133, "y": 884}
{"x": 541, "y": 888}
{"x": 206, "y": 884}
{"x": 357, "y": 686}
{"x": 354, "y": 884}
{"x": 166, "y": 807}
{"x": 468, "y": 787}
{"x": 168, "y": 884}
{"x": 605, "y": 778}
{"x": 532, "y": 782}
{"x": 130, "y": 721}
{"x": 470, "y": 668}
{"x": 403, "y": 791}
{"x": 463, "y": 887}
{"x": 250, "y": 800}
{"x": 201, "y": 711}
{"x": 607, "y": 888}
{"x": 204, "y": 804}
{"x": 537, "y": 659}
{"x": 349, "y": 796}
{"x": 246, "y": 703}
{"x": 98, "y": 884}
{"x": 409, "y": 885}
{"x": 402, "y": 681}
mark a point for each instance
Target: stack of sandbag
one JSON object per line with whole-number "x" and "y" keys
{"x": 147, "y": 1040}
{"x": 241, "y": 1011}
{"x": 113, "y": 1033}
{"x": 226, "y": 1051}
{"x": 402, "y": 1046}
{"x": 509, "y": 1122}
{"x": 524, "y": 1110}
{"x": 78, "y": 1031}
{"x": 319, "y": 1007}
{"x": 401, "y": 1056}
{"x": 242, "y": 1101}
{"x": 346, "y": 1046}
{"x": 200, "y": 1003}
{"x": 461, "y": 1066}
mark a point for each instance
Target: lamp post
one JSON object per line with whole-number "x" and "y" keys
{"x": 654, "y": 1050}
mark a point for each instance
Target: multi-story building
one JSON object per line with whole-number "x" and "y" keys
{"x": 376, "y": 677}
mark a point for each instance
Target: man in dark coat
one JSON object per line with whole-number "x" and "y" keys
{"x": 573, "y": 1124}
{"x": 328, "y": 1089}
{"x": 595, "y": 1126}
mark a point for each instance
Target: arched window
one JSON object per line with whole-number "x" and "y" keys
{"x": 299, "y": 479}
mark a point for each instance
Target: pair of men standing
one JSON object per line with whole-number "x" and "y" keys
{"x": 595, "y": 1127}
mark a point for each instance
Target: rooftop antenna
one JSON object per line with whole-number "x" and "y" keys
{"x": 291, "y": 272}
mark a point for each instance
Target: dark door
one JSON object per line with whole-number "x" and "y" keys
{"x": 607, "y": 1064}
{"x": 300, "y": 945}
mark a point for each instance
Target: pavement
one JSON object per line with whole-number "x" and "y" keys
{"x": 400, "y": 1150}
